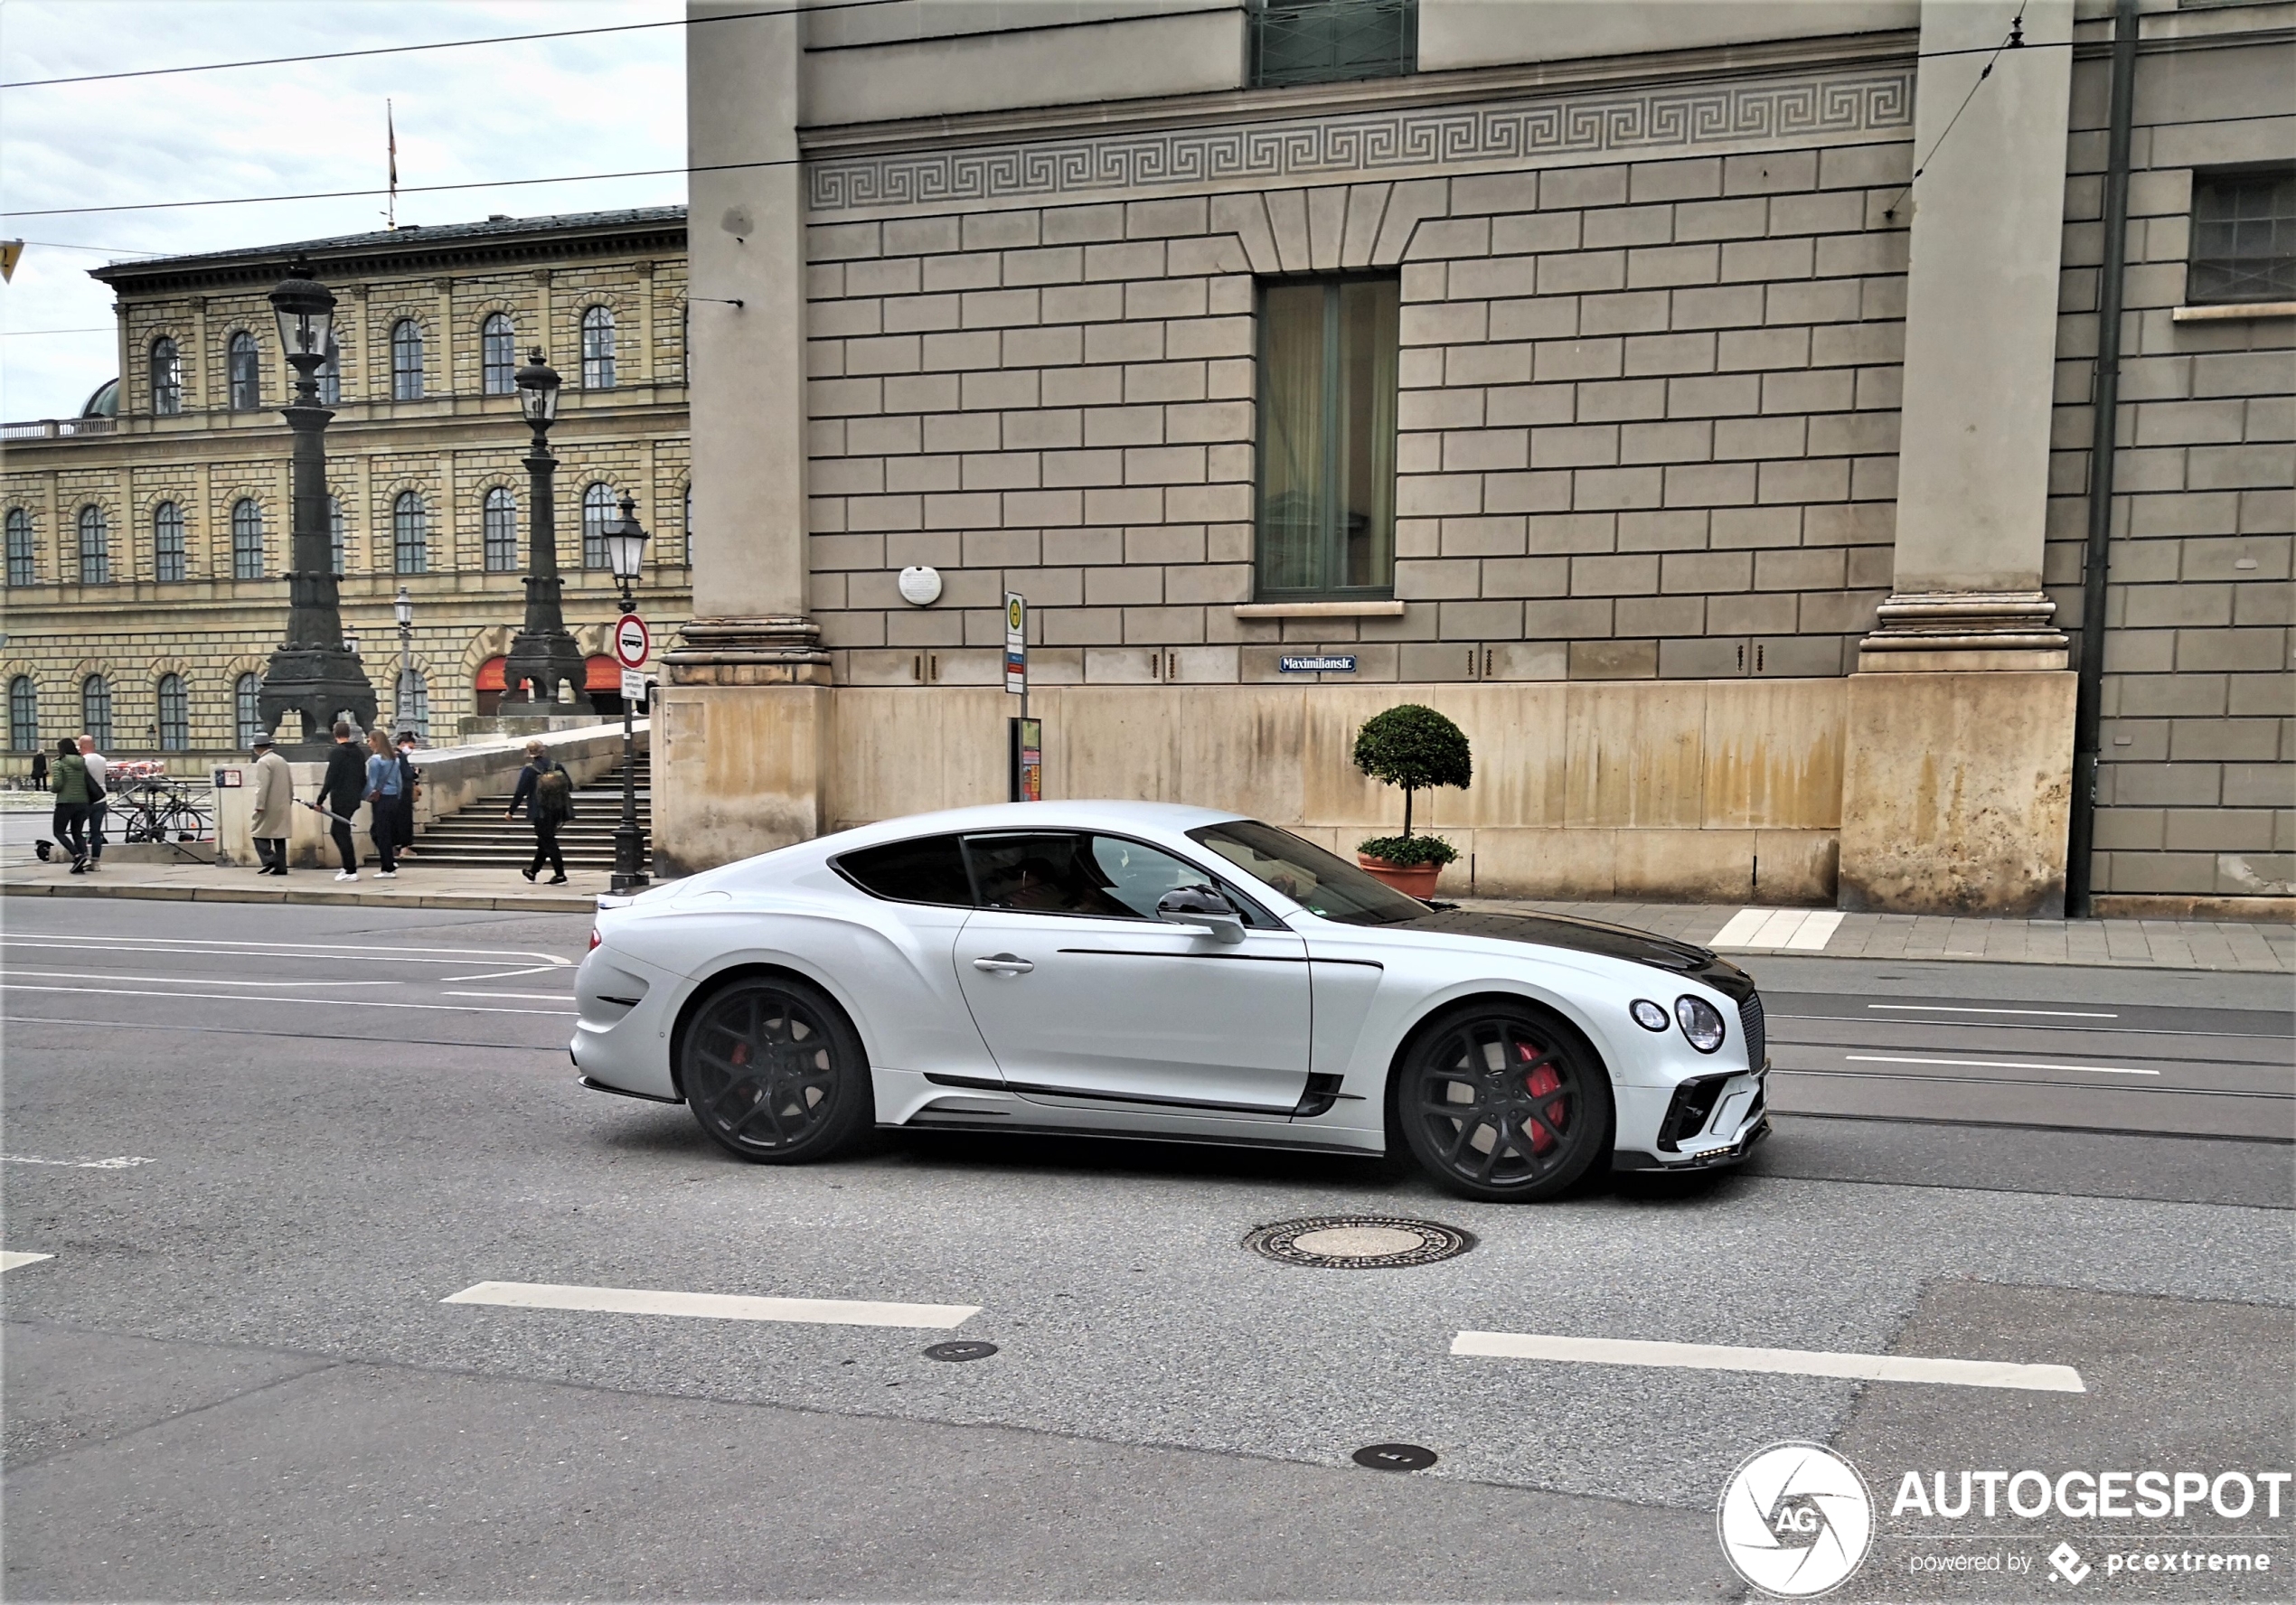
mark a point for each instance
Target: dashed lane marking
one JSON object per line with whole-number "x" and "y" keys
{"x": 2069, "y": 1014}
{"x": 200, "y": 980}
{"x": 544, "y": 996}
{"x": 123, "y": 1162}
{"x": 836, "y": 1312}
{"x": 10, "y": 1260}
{"x": 295, "y": 1002}
{"x": 1997, "y": 1065}
{"x": 1788, "y": 1362}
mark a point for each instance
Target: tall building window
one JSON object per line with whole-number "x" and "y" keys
{"x": 246, "y": 708}
{"x": 246, "y": 369}
{"x": 94, "y": 546}
{"x": 2243, "y": 237}
{"x": 413, "y": 707}
{"x": 168, "y": 560}
{"x": 23, "y": 715}
{"x": 247, "y": 539}
{"x": 174, "y": 715}
{"x": 167, "y": 378}
{"x": 598, "y": 512}
{"x": 24, "y": 562}
{"x": 95, "y": 711}
{"x": 498, "y": 520}
{"x": 1327, "y": 380}
{"x": 409, "y": 535}
{"x": 498, "y": 354}
{"x": 334, "y": 534}
{"x": 1303, "y": 42}
{"x": 330, "y": 375}
{"x": 406, "y": 361}
{"x": 597, "y": 348}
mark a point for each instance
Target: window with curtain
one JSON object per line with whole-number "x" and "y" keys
{"x": 244, "y": 367}
{"x": 94, "y": 546}
{"x": 23, "y": 560}
{"x": 23, "y": 715}
{"x": 168, "y": 560}
{"x": 598, "y": 513}
{"x": 167, "y": 378}
{"x": 2244, "y": 237}
{"x": 246, "y": 708}
{"x": 413, "y": 707}
{"x": 409, "y": 535}
{"x": 334, "y": 534}
{"x": 597, "y": 348}
{"x": 247, "y": 539}
{"x": 498, "y": 523}
{"x": 1327, "y": 382}
{"x": 406, "y": 361}
{"x": 175, "y": 714}
{"x": 1303, "y": 41}
{"x": 329, "y": 376}
{"x": 498, "y": 354}
{"x": 95, "y": 711}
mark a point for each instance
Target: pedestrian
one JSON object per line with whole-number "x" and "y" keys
{"x": 409, "y": 791}
{"x": 547, "y": 791}
{"x": 382, "y": 802}
{"x": 98, "y": 788}
{"x": 274, "y": 806}
{"x": 340, "y": 790}
{"x": 40, "y": 772}
{"x": 71, "y": 819}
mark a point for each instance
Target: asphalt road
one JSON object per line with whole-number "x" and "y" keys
{"x": 261, "y": 1145}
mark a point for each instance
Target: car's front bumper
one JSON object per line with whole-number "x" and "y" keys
{"x": 1695, "y": 1125}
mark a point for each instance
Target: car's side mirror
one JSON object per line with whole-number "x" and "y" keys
{"x": 1204, "y": 909}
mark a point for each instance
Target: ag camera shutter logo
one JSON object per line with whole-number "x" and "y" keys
{"x": 1795, "y": 1520}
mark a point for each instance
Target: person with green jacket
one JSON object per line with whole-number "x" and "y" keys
{"x": 75, "y": 792}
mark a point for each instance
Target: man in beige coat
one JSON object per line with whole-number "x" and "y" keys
{"x": 274, "y": 807}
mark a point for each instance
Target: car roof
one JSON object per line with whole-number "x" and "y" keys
{"x": 1103, "y": 814}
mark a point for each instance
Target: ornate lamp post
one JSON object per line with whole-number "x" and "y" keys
{"x": 542, "y": 656}
{"x": 402, "y": 609}
{"x": 314, "y": 670}
{"x": 625, "y": 554}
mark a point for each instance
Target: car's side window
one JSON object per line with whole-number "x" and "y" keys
{"x": 927, "y": 869}
{"x": 1137, "y": 876}
{"x": 1068, "y": 872}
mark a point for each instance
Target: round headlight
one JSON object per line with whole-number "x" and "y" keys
{"x": 1701, "y": 1023}
{"x": 1647, "y": 1014}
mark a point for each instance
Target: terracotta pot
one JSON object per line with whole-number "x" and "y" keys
{"x": 1413, "y": 881}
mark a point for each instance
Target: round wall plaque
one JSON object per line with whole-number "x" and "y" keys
{"x": 921, "y": 587}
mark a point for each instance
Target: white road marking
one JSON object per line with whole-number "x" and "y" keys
{"x": 545, "y": 997}
{"x": 1998, "y": 1065}
{"x": 838, "y": 1312}
{"x": 9, "y": 1261}
{"x": 1799, "y": 929}
{"x": 501, "y": 974}
{"x": 1955, "y": 1008}
{"x": 189, "y": 980}
{"x": 123, "y": 1162}
{"x": 297, "y": 1002}
{"x": 1789, "y": 1362}
{"x": 187, "y": 946}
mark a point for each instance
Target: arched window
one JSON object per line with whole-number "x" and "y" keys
{"x": 330, "y": 376}
{"x": 597, "y": 348}
{"x": 499, "y": 521}
{"x": 167, "y": 378}
{"x": 413, "y": 707}
{"x": 334, "y": 534}
{"x": 246, "y": 372}
{"x": 95, "y": 548}
{"x": 247, "y": 539}
{"x": 246, "y": 708}
{"x": 23, "y": 715}
{"x": 598, "y": 512}
{"x": 168, "y": 560}
{"x": 95, "y": 711}
{"x": 409, "y": 534}
{"x": 174, "y": 715}
{"x": 24, "y": 563}
{"x": 498, "y": 354}
{"x": 406, "y": 361}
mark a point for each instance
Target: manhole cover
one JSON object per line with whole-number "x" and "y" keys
{"x": 960, "y": 1351}
{"x": 1395, "y": 1457}
{"x": 1358, "y": 1242}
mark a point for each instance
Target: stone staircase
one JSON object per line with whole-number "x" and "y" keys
{"x": 480, "y": 836}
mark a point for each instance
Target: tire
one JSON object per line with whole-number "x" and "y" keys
{"x": 1501, "y": 1101}
{"x": 774, "y": 1072}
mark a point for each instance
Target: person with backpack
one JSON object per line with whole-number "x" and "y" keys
{"x": 72, "y": 797}
{"x": 547, "y": 792}
{"x": 383, "y": 802}
{"x": 339, "y": 795}
{"x": 98, "y": 769}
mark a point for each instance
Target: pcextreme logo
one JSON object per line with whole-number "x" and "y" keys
{"x": 1795, "y": 1520}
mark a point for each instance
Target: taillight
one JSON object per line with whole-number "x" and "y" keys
{"x": 594, "y": 936}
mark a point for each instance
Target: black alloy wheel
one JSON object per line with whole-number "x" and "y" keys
{"x": 1502, "y": 1103}
{"x": 773, "y": 1071}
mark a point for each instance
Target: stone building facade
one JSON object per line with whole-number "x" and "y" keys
{"x": 148, "y": 542}
{"x": 1698, "y": 411}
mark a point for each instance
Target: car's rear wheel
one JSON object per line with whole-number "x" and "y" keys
{"x": 773, "y": 1070}
{"x": 1503, "y": 1102}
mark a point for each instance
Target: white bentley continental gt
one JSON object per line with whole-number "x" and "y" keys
{"x": 1149, "y": 971}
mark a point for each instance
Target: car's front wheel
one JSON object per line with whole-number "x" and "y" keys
{"x": 1500, "y": 1100}
{"x": 773, "y": 1071}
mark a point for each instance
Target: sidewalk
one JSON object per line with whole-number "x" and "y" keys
{"x": 416, "y": 886}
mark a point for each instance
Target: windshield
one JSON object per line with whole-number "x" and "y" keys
{"x": 1316, "y": 880}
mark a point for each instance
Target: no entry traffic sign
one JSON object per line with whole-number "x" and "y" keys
{"x": 632, "y": 641}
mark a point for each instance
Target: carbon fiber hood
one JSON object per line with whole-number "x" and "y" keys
{"x": 1591, "y": 936}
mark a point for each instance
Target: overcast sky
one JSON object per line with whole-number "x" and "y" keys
{"x": 607, "y": 104}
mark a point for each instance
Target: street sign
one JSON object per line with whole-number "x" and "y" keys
{"x": 634, "y": 686}
{"x": 1016, "y": 643}
{"x": 1026, "y": 759}
{"x": 632, "y": 641}
{"x": 1323, "y": 663}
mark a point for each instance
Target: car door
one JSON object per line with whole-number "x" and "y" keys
{"x": 1082, "y": 993}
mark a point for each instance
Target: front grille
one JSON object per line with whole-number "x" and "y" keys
{"x": 1757, "y": 1033}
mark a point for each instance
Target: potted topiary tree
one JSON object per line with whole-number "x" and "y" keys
{"x": 1414, "y": 747}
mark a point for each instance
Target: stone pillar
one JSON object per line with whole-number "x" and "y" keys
{"x": 743, "y": 712}
{"x": 1957, "y": 784}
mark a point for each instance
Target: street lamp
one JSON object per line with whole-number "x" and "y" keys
{"x": 625, "y": 554}
{"x": 316, "y": 671}
{"x": 402, "y": 609}
{"x": 542, "y": 656}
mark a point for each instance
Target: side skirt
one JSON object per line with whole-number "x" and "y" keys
{"x": 928, "y": 1121}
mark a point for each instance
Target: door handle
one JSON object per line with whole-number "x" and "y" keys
{"x": 1003, "y": 964}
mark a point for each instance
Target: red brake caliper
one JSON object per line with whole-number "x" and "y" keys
{"x": 1543, "y": 1083}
